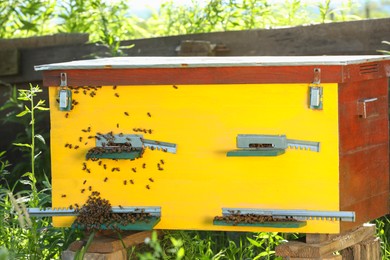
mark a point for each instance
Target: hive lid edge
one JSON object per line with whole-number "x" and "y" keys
{"x": 194, "y": 62}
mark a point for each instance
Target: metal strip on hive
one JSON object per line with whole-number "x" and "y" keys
{"x": 64, "y": 212}
{"x": 158, "y": 145}
{"x": 303, "y": 145}
{"x": 296, "y": 214}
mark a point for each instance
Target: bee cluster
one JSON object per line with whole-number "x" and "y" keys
{"x": 236, "y": 218}
{"x": 96, "y": 214}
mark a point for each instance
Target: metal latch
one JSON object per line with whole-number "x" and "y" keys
{"x": 315, "y": 97}
{"x": 316, "y": 91}
{"x": 269, "y": 145}
{"x": 64, "y": 94}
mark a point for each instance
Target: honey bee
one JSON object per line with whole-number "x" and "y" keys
{"x": 80, "y": 139}
{"x": 148, "y": 187}
{"x": 116, "y": 94}
{"x": 149, "y": 115}
{"x": 85, "y": 92}
{"x": 82, "y": 190}
{"x": 70, "y": 146}
{"x": 126, "y": 114}
{"x": 151, "y": 180}
{"x": 100, "y": 163}
{"x": 91, "y": 136}
{"x": 150, "y": 131}
{"x": 67, "y": 115}
{"x": 105, "y": 166}
{"x": 66, "y": 145}
{"x": 76, "y": 147}
{"x": 70, "y": 206}
{"x": 131, "y": 181}
{"x": 90, "y": 188}
{"x": 89, "y": 129}
{"x": 63, "y": 196}
{"x": 144, "y": 165}
{"x": 85, "y": 181}
{"x": 124, "y": 182}
{"x": 162, "y": 161}
{"x": 76, "y": 91}
{"x": 84, "y": 130}
{"x": 113, "y": 169}
{"x": 85, "y": 143}
{"x": 105, "y": 179}
{"x": 175, "y": 87}
{"x": 120, "y": 207}
{"x": 114, "y": 87}
{"x": 88, "y": 170}
{"x": 117, "y": 125}
{"x": 134, "y": 169}
{"x": 84, "y": 166}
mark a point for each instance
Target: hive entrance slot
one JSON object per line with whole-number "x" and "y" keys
{"x": 261, "y": 145}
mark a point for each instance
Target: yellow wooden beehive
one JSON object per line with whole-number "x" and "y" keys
{"x": 203, "y": 106}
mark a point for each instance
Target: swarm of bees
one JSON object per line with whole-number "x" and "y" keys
{"x": 236, "y": 218}
{"x": 96, "y": 213}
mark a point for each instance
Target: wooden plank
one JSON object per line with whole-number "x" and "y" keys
{"x": 345, "y": 38}
{"x": 318, "y": 238}
{"x": 117, "y": 255}
{"x": 348, "y": 38}
{"x": 44, "y": 41}
{"x": 44, "y": 55}
{"x": 204, "y": 75}
{"x": 330, "y": 257}
{"x": 9, "y": 62}
{"x": 299, "y": 249}
{"x": 108, "y": 244}
{"x": 364, "y": 149}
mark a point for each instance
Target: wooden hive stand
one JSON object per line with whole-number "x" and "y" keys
{"x": 107, "y": 246}
{"x": 358, "y": 244}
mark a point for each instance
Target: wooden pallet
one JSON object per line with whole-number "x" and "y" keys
{"x": 357, "y": 244}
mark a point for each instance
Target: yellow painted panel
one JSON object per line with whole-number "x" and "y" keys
{"x": 197, "y": 181}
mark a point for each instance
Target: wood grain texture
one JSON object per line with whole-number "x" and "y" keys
{"x": 112, "y": 243}
{"x": 214, "y": 75}
{"x": 304, "y": 250}
{"x": 364, "y": 151}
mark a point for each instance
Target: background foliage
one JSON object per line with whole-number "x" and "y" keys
{"x": 111, "y": 21}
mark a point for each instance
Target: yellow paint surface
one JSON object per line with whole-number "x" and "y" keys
{"x": 199, "y": 180}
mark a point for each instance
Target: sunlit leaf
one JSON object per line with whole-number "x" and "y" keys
{"x": 22, "y": 145}
{"x": 22, "y": 113}
{"x": 40, "y": 138}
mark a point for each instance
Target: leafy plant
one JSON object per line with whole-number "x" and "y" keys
{"x": 30, "y": 110}
{"x": 23, "y": 237}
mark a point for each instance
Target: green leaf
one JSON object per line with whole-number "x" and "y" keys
{"x": 254, "y": 242}
{"x": 23, "y": 98}
{"x": 22, "y": 145}
{"x": 40, "y": 138}
{"x": 180, "y": 253}
{"x": 25, "y": 182}
{"x": 22, "y": 113}
{"x": 42, "y": 108}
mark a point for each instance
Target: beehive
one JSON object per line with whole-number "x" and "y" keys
{"x": 209, "y": 109}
